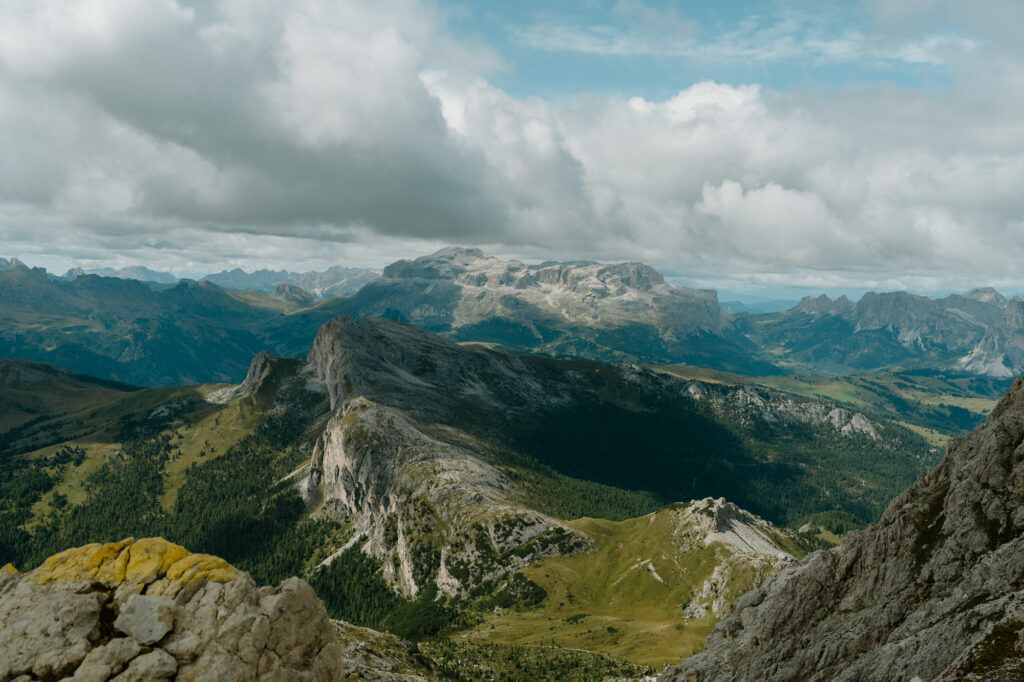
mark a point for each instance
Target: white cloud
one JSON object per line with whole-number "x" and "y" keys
{"x": 308, "y": 132}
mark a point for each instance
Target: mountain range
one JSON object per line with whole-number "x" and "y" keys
{"x": 979, "y": 332}
{"x": 425, "y": 484}
{"x": 414, "y": 481}
{"x": 127, "y": 331}
{"x": 187, "y": 331}
{"x": 335, "y": 281}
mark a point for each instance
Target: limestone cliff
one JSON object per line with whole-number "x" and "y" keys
{"x": 433, "y": 511}
{"x": 430, "y": 511}
{"x": 930, "y": 592}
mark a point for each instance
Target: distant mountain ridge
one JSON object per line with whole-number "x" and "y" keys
{"x": 335, "y": 281}
{"x": 139, "y": 272}
{"x": 979, "y": 332}
{"x": 123, "y": 329}
{"x": 618, "y": 312}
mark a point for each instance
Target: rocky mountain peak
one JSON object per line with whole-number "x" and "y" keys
{"x": 823, "y": 305}
{"x": 986, "y": 295}
{"x": 721, "y": 521}
{"x": 928, "y": 592}
{"x": 448, "y": 263}
{"x": 150, "y": 610}
{"x": 286, "y": 291}
{"x": 259, "y": 370}
{"x": 267, "y": 374}
{"x": 473, "y": 268}
{"x": 14, "y": 264}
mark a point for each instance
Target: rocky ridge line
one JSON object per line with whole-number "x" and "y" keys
{"x": 431, "y": 512}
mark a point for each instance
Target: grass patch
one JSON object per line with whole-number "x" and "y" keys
{"x": 624, "y": 600}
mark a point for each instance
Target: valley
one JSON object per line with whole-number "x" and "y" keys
{"x": 436, "y": 489}
{"x": 529, "y": 511}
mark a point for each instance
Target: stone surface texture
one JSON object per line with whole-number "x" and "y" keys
{"x": 933, "y": 591}
{"x": 150, "y": 610}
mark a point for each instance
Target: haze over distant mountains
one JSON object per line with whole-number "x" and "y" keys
{"x": 335, "y": 281}
{"x": 979, "y": 332}
{"x": 623, "y": 312}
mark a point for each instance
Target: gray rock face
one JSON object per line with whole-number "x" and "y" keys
{"x": 106, "y": 660}
{"x": 932, "y": 591}
{"x": 156, "y": 665}
{"x": 979, "y": 332}
{"x": 621, "y": 311}
{"x": 420, "y": 504}
{"x": 774, "y": 408}
{"x": 146, "y": 619}
{"x": 187, "y": 616}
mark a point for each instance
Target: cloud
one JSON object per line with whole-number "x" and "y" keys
{"x": 309, "y": 132}
{"x": 255, "y": 116}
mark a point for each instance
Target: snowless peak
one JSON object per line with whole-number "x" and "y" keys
{"x": 986, "y": 295}
{"x": 472, "y": 267}
{"x": 447, "y": 263}
{"x": 823, "y": 305}
{"x": 457, "y": 253}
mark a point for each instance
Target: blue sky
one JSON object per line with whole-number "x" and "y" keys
{"x": 655, "y": 49}
{"x": 768, "y": 146}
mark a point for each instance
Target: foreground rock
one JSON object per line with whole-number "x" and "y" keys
{"x": 933, "y": 591}
{"x": 150, "y": 610}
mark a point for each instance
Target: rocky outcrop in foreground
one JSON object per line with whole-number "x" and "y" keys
{"x": 150, "y": 610}
{"x": 933, "y": 591}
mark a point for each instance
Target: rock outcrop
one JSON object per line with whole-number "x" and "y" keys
{"x": 930, "y": 592}
{"x": 774, "y": 407}
{"x": 432, "y": 511}
{"x": 150, "y": 610}
{"x": 750, "y": 549}
{"x": 290, "y": 293}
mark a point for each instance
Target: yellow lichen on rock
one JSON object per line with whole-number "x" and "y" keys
{"x": 9, "y": 568}
{"x": 97, "y": 561}
{"x": 201, "y": 567}
{"x": 127, "y": 561}
{"x": 150, "y": 558}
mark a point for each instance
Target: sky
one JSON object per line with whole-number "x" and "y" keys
{"x": 776, "y": 146}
